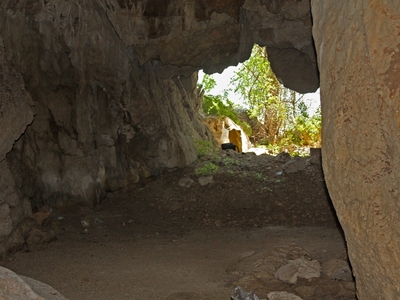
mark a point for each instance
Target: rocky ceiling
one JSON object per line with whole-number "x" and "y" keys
{"x": 190, "y": 35}
{"x": 184, "y": 36}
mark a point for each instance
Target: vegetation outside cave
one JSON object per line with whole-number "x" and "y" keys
{"x": 272, "y": 115}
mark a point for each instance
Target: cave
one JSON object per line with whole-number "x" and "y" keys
{"x": 99, "y": 95}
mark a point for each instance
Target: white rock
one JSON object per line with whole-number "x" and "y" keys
{"x": 307, "y": 268}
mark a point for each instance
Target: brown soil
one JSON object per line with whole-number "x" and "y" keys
{"x": 162, "y": 240}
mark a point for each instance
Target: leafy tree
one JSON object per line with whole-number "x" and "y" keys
{"x": 220, "y": 105}
{"x": 281, "y": 113}
{"x": 260, "y": 89}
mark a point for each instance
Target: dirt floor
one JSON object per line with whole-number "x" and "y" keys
{"x": 171, "y": 237}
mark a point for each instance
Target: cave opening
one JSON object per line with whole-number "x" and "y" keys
{"x": 226, "y": 220}
{"x": 126, "y": 207}
{"x": 250, "y": 99}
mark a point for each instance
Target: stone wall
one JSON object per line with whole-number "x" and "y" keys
{"x": 358, "y": 48}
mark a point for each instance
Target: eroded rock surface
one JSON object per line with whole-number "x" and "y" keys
{"x": 358, "y": 50}
{"x": 14, "y": 287}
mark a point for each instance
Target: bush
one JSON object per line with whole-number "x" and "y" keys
{"x": 222, "y": 107}
{"x": 204, "y": 148}
{"x": 207, "y": 170}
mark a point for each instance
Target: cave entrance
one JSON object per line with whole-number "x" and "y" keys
{"x": 228, "y": 220}
{"x": 250, "y": 100}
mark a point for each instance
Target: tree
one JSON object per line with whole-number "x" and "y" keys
{"x": 281, "y": 112}
{"x": 220, "y": 105}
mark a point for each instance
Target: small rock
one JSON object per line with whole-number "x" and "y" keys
{"x": 307, "y": 268}
{"x": 300, "y": 267}
{"x": 337, "y": 269}
{"x": 241, "y": 294}
{"x": 288, "y": 273}
{"x": 185, "y": 182}
{"x": 205, "y": 180}
{"x": 39, "y": 235}
{"x": 282, "y": 296}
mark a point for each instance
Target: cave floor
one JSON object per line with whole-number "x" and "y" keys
{"x": 164, "y": 239}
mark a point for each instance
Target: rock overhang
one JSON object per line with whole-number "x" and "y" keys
{"x": 186, "y": 36}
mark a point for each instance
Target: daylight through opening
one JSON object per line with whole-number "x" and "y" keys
{"x": 271, "y": 118}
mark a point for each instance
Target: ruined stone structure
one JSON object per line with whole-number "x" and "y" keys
{"x": 99, "y": 94}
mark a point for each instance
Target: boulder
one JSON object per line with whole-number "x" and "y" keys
{"x": 14, "y": 287}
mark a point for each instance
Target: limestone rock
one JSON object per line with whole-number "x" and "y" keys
{"x": 299, "y": 267}
{"x": 359, "y": 67}
{"x": 43, "y": 289}
{"x": 205, "y": 180}
{"x": 12, "y": 287}
{"x": 337, "y": 269}
{"x": 287, "y": 273}
{"x": 240, "y": 294}
{"x": 282, "y": 296}
{"x": 307, "y": 268}
{"x": 185, "y": 182}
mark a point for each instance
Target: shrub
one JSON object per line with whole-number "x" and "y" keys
{"x": 204, "y": 148}
{"x": 207, "y": 170}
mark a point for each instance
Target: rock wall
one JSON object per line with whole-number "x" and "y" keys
{"x": 16, "y": 112}
{"x": 358, "y": 48}
{"x": 113, "y": 86}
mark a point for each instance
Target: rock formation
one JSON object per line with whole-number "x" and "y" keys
{"x": 112, "y": 85}
{"x": 98, "y": 94}
{"x": 358, "y": 54}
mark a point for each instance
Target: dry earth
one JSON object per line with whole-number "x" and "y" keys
{"x": 173, "y": 238}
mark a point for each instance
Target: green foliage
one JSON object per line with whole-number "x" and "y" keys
{"x": 259, "y": 177}
{"x": 258, "y": 85}
{"x": 204, "y": 148}
{"x": 283, "y": 119}
{"x": 208, "y": 83}
{"x": 305, "y": 131}
{"x": 207, "y": 170}
{"x": 220, "y": 105}
{"x": 279, "y": 116}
